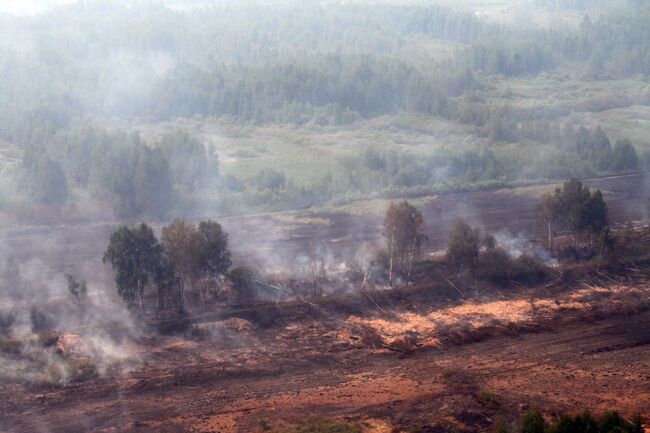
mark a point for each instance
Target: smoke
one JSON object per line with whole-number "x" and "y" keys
{"x": 49, "y": 334}
{"x": 518, "y": 245}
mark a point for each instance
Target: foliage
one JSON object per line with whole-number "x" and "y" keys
{"x": 533, "y": 422}
{"x": 575, "y": 208}
{"x": 609, "y": 422}
{"x": 213, "y": 255}
{"x": 496, "y": 265}
{"x": 135, "y": 255}
{"x": 463, "y": 247}
{"x": 243, "y": 277}
{"x": 7, "y": 321}
{"x": 81, "y": 370}
{"x": 402, "y": 229}
{"x": 40, "y": 320}
{"x": 46, "y": 179}
{"x": 624, "y": 156}
{"x": 198, "y": 254}
{"x": 192, "y": 164}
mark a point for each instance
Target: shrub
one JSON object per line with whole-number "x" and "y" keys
{"x": 463, "y": 247}
{"x": 82, "y": 370}
{"x": 528, "y": 269}
{"x": 243, "y": 278}
{"x": 7, "y": 320}
{"x": 40, "y": 320}
{"x": 610, "y": 422}
{"x": 494, "y": 265}
{"x": 533, "y": 422}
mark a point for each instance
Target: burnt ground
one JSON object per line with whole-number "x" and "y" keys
{"x": 285, "y": 373}
{"x": 265, "y": 240}
{"x": 186, "y": 386}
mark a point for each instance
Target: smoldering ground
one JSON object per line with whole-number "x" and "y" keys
{"x": 57, "y": 329}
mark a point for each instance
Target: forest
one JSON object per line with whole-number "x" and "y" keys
{"x": 310, "y": 66}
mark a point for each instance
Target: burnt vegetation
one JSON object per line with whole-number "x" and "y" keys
{"x": 266, "y": 205}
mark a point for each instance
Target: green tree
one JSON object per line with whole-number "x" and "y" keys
{"x": 181, "y": 243}
{"x": 624, "y": 156}
{"x": 581, "y": 210}
{"x": 596, "y": 214}
{"x": 573, "y": 199}
{"x": 191, "y": 163}
{"x": 464, "y": 245}
{"x": 135, "y": 255}
{"x": 533, "y": 422}
{"x": 402, "y": 228}
{"x": 153, "y": 183}
{"x": 46, "y": 179}
{"x": 213, "y": 257}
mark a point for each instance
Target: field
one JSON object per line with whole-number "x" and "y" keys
{"x": 480, "y": 354}
{"x": 308, "y": 364}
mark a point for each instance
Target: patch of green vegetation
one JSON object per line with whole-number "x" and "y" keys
{"x": 82, "y": 370}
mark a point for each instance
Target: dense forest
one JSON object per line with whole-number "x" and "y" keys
{"x": 303, "y": 64}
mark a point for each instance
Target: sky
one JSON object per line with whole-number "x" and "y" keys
{"x": 29, "y": 7}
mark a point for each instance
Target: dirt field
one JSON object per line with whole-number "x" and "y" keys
{"x": 561, "y": 349}
{"x": 566, "y": 351}
{"x": 188, "y": 386}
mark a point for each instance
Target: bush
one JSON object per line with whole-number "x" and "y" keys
{"x": 7, "y": 320}
{"x": 528, "y": 269}
{"x": 82, "y": 370}
{"x": 533, "y": 422}
{"x": 494, "y": 265}
{"x": 463, "y": 247}
{"x": 242, "y": 276}
{"x": 610, "y": 422}
{"x": 40, "y": 320}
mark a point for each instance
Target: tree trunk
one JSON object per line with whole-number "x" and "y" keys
{"x": 411, "y": 256}
{"x": 390, "y": 270}
{"x": 140, "y": 291}
{"x": 181, "y": 293}
{"x": 550, "y": 237}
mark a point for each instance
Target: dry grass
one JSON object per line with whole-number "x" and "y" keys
{"x": 475, "y": 320}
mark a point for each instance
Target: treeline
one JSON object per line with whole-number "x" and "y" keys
{"x": 116, "y": 167}
{"x": 325, "y": 88}
{"x": 177, "y": 171}
{"x": 279, "y": 62}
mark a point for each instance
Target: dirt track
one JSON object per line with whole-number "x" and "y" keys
{"x": 188, "y": 387}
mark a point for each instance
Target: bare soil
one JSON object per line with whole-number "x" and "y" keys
{"x": 575, "y": 348}
{"x": 588, "y": 355}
